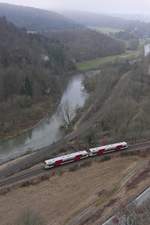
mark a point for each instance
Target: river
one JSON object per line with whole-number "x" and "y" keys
{"x": 48, "y": 130}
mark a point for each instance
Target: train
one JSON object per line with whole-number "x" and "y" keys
{"x": 77, "y": 156}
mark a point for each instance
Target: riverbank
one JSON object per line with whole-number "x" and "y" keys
{"x": 48, "y": 130}
{"x": 19, "y": 119}
{"x": 39, "y": 113}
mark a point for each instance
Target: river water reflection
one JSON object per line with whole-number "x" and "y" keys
{"x": 48, "y": 130}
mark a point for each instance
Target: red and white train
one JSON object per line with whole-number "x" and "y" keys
{"x": 77, "y": 156}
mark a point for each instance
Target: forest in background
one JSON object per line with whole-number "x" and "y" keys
{"x": 84, "y": 44}
{"x": 34, "y": 19}
{"x": 32, "y": 68}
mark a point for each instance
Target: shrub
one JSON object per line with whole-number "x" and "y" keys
{"x": 86, "y": 164}
{"x": 44, "y": 177}
{"x": 74, "y": 168}
{"x": 60, "y": 172}
{"x": 25, "y": 183}
{"x": 106, "y": 158}
{"x": 124, "y": 154}
{"x": 90, "y": 138}
{"x": 24, "y": 101}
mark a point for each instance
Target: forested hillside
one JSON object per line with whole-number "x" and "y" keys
{"x": 32, "y": 68}
{"x": 88, "y": 19}
{"x": 35, "y": 19}
{"x": 120, "y": 105}
{"x": 84, "y": 44}
{"x": 96, "y": 20}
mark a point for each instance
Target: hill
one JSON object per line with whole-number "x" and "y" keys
{"x": 96, "y": 20}
{"x": 32, "y": 68}
{"x": 119, "y": 104}
{"x": 84, "y": 44}
{"x": 134, "y": 26}
{"x": 35, "y": 19}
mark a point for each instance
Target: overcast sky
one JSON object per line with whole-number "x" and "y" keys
{"x": 119, "y": 6}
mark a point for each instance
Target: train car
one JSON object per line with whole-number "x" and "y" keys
{"x": 108, "y": 148}
{"x": 64, "y": 159}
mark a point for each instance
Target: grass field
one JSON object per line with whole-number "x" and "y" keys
{"x": 96, "y": 63}
{"x": 106, "y": 30}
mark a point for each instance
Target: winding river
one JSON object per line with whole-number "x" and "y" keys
{"x": 48, "y": 130}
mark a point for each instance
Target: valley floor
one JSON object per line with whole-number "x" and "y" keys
{"x": 83, "y": 194}
{"x": 98, "y": 62}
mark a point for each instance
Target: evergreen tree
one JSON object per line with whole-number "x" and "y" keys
{"x": 28, "y": 89}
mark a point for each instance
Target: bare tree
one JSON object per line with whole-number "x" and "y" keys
{"x": 134, "y": 215}
{"x": 67, "y": 114}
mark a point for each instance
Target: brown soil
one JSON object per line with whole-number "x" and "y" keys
{"x": 86, "y": 193}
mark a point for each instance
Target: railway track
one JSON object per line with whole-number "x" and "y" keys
{"x": 39, "y": 169}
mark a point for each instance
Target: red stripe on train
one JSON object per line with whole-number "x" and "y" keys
{"x": 78, "y": 157}
{"x": 58, "y": 163}
{"x": 101, "y": 152}
{"x": 119, "y": 147}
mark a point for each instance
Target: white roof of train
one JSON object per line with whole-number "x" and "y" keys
{"x": 65, "y": 157}
{"x": 107, "y": 146}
